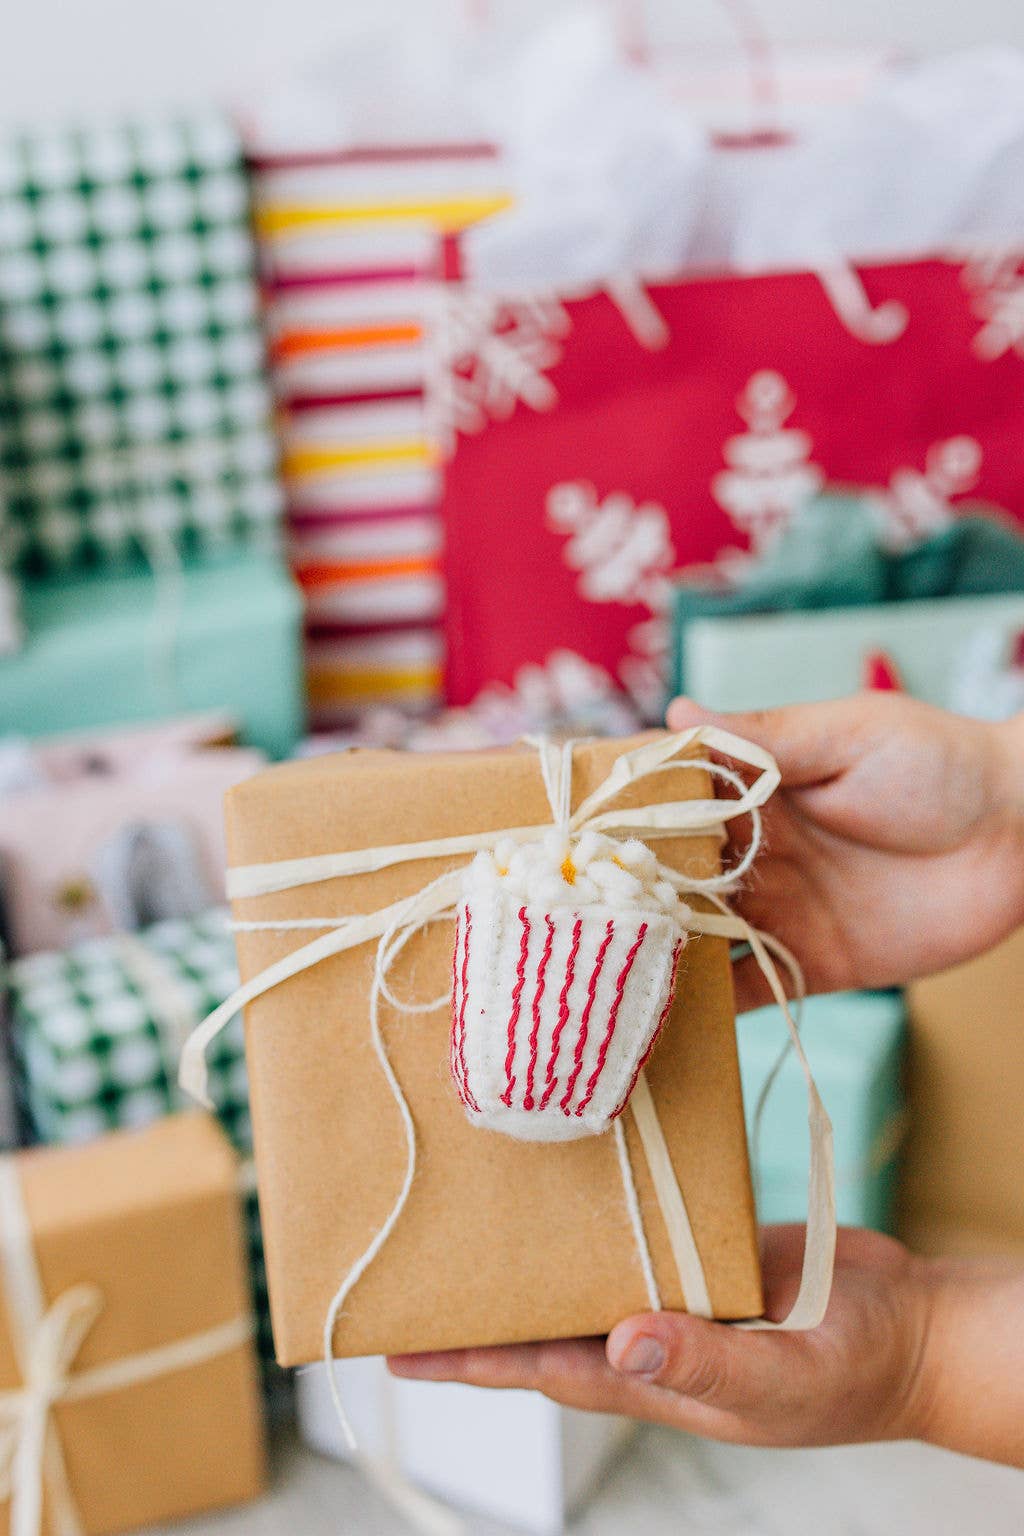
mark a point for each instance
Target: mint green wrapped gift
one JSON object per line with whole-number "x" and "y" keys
{"x": 854, "y": 1042}
{"x": 128, "y": 648}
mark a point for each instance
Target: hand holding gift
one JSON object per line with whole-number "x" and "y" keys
{"x": 897, "y": 846}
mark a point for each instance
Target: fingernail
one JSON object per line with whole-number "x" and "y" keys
{"x": 641, "y": 1358}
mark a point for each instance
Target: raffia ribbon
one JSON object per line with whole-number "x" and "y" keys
{"x": 393, "y": 925}
{"x": 47, "y": 1339}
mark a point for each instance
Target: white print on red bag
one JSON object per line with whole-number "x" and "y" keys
{"x": 770, "y": 474}
{"x": 918, "y": 503}
{"x": 491, "y": 354}
{"x": 877, "y": 327}
{"x": 995, "y": 282}
{"x": 623, "y": 553}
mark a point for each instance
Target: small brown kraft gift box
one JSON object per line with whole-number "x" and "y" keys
{"x": 961, "y": 1183}
{"x": 499, "y": 1240}
{"x": 128, "y": 1384}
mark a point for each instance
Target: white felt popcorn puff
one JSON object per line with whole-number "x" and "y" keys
{"x": 564, "y": 972}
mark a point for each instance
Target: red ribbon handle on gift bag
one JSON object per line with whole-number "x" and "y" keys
{"x": 754, "y": 47}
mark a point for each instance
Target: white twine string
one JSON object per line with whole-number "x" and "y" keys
{"x": 46, "y": 1340}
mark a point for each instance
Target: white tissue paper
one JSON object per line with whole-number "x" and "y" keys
{"x": 611, "y": 175}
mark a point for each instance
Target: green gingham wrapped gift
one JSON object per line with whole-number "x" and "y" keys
{"x": 97, "y": 1032}
{"x": 135, "y": 413}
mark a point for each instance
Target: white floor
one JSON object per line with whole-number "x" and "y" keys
{"x": 666, "y": 1485}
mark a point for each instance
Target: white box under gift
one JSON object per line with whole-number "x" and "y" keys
{"x": 513, "y": 1456}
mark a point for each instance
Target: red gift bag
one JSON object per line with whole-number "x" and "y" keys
{"x": 600, "y": 443}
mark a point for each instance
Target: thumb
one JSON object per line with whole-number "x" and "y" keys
{"x": 728, "y": 1369}
{"x": 810, "y": 742}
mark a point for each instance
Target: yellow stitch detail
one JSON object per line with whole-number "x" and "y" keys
{"x": 568, "y": 870}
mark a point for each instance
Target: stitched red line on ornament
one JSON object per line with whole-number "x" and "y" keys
{"x": 517, "y": 993}
{"x": 620, "y": 987}
{"x": 453, "y": 1061}
{"x": 563, "y": 1013}
{"x": 577, "y": 1065}
{"x": 652, "y": 1042}
{"x": 470, "y": 1100}
{"x": 528, "y": 1100}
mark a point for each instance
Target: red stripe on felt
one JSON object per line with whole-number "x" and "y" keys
{"x": 517, "y": 992}
{"x": 340, "y": 402}
{"x": 577, "y": 1066}
{"x": 652, "y": 1042}
{"x": 620, "y": 987}
{"x": 468, "y": 1092}
{"x": 452, "y": 1056}
{"x": 371, "y": 154}
{"x": 542, "y": 967}
{"x": 563, "y": 1013}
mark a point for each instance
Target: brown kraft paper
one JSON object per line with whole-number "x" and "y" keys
{"x": 153, "y": 1219}
{"x": 962, "y": 1173}
{"x": 501, "y": 1241}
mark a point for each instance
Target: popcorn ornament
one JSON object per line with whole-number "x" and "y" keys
{"x": 564, "y": 972}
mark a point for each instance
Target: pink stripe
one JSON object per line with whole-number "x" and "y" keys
{"x": 652, "y": 1042}
{"x": 528, "y": 1100}
{"x": 581, "y": 1042}
{"x": 470, "y": 1100}
{"x": 517, "y": 993}
{"x": 620, "y": 987}
{"x": 344, "y": 277}
{"x": 370, "y": 154}
{"x": 314, "y": 519}
{"x": 341, "y": 402}
{"x": 323, "y": 629}
{"x": 563, "y": 1013}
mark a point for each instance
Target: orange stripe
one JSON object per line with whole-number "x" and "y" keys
{"x": 334, "y": 685}
{"x": 337, "y": 573}
{"x": 343, "y": 338}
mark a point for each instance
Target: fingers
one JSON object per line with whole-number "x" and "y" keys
{"x": 810, "y": 742}
{"x": 735, "y": 1374}
{"x": 571, "y": 1371}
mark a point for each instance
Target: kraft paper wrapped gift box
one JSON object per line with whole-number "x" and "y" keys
{"x": 127, "y": 648}
{"x": 960, "y": 1192}
{"x": 97, "y": 1031}
{"x": 500, "y": 1240}
{"x": 139, "y": 1232}
{"x": 511, "y": 1456}
{"x": 855, "y": 1044}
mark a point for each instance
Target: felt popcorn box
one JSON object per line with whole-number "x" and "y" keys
{"x": 124, "y": 1289}
{"x": 502, "y": 1237}
{"x": 535, "y": 923}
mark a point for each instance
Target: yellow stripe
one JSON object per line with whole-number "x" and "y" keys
{"x": 335, "y": 685}
{"x": 449, "y": 214}
{"x": 298, "y": 462}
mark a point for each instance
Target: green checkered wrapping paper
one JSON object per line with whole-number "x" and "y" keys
{"x": 97, "y": 1032}
{"x": 135, "y": 412}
